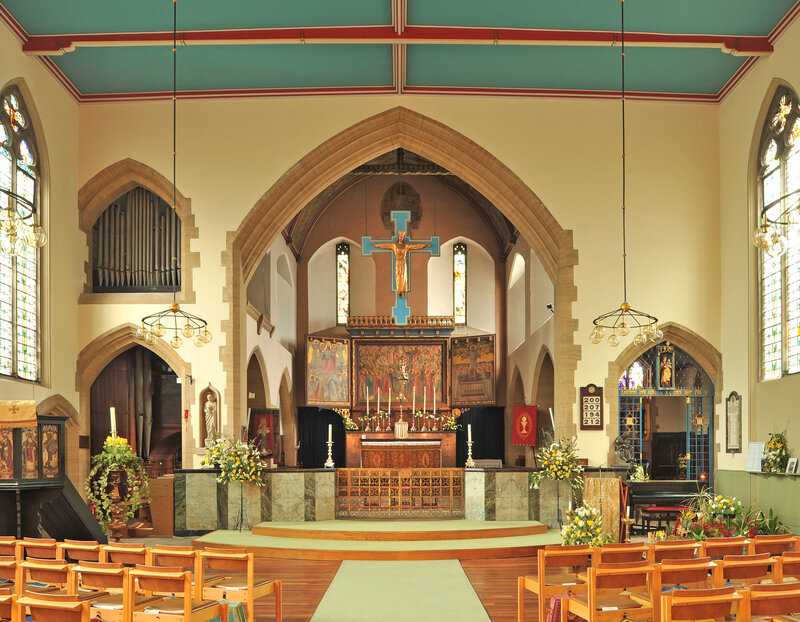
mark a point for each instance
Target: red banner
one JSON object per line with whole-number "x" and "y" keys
{"x": 524, "y": 422}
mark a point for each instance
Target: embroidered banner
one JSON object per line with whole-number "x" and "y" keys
{"x": 524, "y": 422}
{"x": 17, "y": 413}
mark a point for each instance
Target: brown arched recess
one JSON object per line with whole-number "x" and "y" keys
{"x": 364, "y": 141}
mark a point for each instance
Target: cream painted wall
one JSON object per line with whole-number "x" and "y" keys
{"x": 480, "y": 284}
{"x": 55, "y": 118}
{"x": 768, "y": 406}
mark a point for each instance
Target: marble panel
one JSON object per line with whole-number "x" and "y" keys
{"x": 553, "y": 496}
{"x": 288, "y": 496}
{"x": 513, "y": 485}
{"x": 309, "y": 496}
{"x": 511, "y": 508}
{"x": 179, "y": 501}
{"x": 266, "y": 499}
{"x": 474, "y": 495}
{"x": 245, "y": 494}
{"x": 490, "y": 495}
{"x": 200, "y": 501}
{"x": 325, "y": 496}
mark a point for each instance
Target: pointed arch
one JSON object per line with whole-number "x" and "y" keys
{"x": 701, "y": 350}
{"x": 94, "y": 357}
{"x": 366, "y": 140}
{"x": 544, "y": 357}
{"x": 60, "y": 406}
{"x": 112, "y": 182}
{"x": 288, "y": 418}
{"x": 262, "y": 367}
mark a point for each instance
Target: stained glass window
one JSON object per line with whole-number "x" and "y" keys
{"x": 460, "y": 283}
{"x": 19, "y": 274}
{"x": 342, "y": 282}
{"x": 779, "y": 180}
{"x": 633, "y": 378}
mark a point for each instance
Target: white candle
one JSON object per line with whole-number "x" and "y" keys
{"x": 434, "y": 400}
{"x": 424, "y": 399}
{"x": 330, "y": 433}
{"x": 378, "y": 407}
{"x": 113, "y": 414}
{"x": 367, "y": 401}
{"x": 390, "y": 401}
{"x": 469, "y": 432}
{"x": 414, "y": 402}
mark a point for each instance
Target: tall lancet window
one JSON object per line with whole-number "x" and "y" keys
{"x": 19, "y": 266}
{"x": 342, "y": 282}
{"x": 460, "y": 283}
{"x": 779, "y": 180}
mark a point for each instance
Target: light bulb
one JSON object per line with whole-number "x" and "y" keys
{"x": 639, "y": 339}
{"x": 12, "y": 244}
{"x": 778, "y": 246}
{"x": 142, "y": 332}
{"x": 763, "y": 235}
{"x": 658, "y": 334}
{"x": 188, "y": 331}
{"x": 150, "y": 339}
{"x": 596, "y": 336}
{"x": 205, "y": 336}
{"x": 159, "y": 330}
{"x": 37, "y": 237}
{"x": 176, "y": 342}
{"x": 623, "y": 330}
{"x": 613, "y": 340}
{"x": 198, "y": 341}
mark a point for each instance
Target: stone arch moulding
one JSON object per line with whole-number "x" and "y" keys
{"x": 94, "y": 357}
{"x": 262, "y": 365}
{"x": 111, "y": 183}
{"x": 537, "y": 370}
{"x": 706, "y": 355}
{"x": 368, "y": 139}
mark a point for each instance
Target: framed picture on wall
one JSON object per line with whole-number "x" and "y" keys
{"x": 472, "y": 370}
{"x": 791, "y": 466}
{"x": 327, "y": 372}
{"x": 733, "y": 423}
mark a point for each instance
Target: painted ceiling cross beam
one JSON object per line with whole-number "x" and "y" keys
{"x": 49, "y": 45}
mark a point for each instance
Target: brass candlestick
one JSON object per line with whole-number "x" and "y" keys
{"x": 329, "y": 462}
{"x": 470, "y": 463}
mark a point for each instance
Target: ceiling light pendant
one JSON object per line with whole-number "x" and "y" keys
{"x": 174, "y": 322}
{"x": 770, "y": 235}
{"x": 620, "y": 322}
{"x": 19, "y": 226}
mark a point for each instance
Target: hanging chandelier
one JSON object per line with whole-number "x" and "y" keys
{"x": 174, "y": 320}
{"x": 620, "y": 322}
{"x": 19, "y": 226}
{"x": 770, "y": 234}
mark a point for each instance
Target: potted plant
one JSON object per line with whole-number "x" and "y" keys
{"x": 117, "y": 485}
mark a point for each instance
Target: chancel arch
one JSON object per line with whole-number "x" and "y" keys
{"x": 369, "y": 139}
{"x": 106, "y": 187}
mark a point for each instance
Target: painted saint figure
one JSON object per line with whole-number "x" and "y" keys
{"x": 6, "y": 454}
{"x": 666, "y": 371}
{"x": 400, "y": 250}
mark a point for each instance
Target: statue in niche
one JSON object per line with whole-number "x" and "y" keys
{"x": 210, "y": 421}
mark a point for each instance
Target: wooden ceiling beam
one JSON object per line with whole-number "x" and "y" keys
{"x": 49, "y": 45}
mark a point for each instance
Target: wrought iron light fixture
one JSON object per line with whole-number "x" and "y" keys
{"x": 19, "y": 225}
{"x": 770, "y": 233}
{"x": 174, "y": 320}
{"x": 621, "y": 321}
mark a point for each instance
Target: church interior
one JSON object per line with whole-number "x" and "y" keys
{"x": 308, "y": 308}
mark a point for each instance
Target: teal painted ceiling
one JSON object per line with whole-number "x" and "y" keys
{"x": 109, "y": 50}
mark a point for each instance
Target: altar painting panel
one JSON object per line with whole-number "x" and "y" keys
{"x": 472, "y": 374}
{"x": 6, "y": 453}
{"x": 403, "y": 366}
{"x": 30, "y": 453}
{"x": 327, "y": 372}
{"x": 50, "y": 451}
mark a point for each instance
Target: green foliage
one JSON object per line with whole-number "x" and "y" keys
{"x": 714, "y": 516}
{"x": 639, "y": 475}
{"x": 776, "y": 454}
{"x": 134, "y": 488}
{"x": 237, "y": 461}
{"x": 559, "y": 461}
{"x": 770, "y": 525}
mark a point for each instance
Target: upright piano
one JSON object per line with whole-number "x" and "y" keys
{"x": 666, "y": 494}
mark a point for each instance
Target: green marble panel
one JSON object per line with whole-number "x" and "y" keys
{"x": 179, "y": 502}
{"x": 201, "y": 501}
{"x": 474, "y": 495}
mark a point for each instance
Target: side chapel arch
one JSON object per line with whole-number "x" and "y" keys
{"x": 111, "y": 183}
{"x": 94, "y": 357}
{"x": 366, "y": 140}
{"x": 705, "y": 354}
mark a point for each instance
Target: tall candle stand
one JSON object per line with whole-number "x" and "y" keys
{"x": 378, "y": 421}
{"x": 365, "y": 419}
{"x": 413, "y": 427}
{"x": 470, "y": 463}
{"x": 329, "y": 462}
{"x": 424, "y": 427}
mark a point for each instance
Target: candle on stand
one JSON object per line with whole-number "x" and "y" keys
{"x": 414, "y": 401}
{"x": 390, "y": 401}
{"x": 424, "y": 399}
{"x": 434, "y": 401}
{"x": 113, "y": 414}
{"x": 367, "y": 401}
{"x": 330, "y": 433}
{"x": 378, "y": 407}
{"x": 469, "y": 432}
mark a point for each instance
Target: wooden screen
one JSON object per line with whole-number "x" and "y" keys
{"x": 400, "y": 493}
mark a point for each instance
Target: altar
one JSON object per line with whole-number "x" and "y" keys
{"x": 381, "y": 450}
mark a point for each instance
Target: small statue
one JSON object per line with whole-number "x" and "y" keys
{"x": 210, "y": 413}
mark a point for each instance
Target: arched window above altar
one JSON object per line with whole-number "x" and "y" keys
{"x": 460, "y": 283}
{"x": 342, "y": 282}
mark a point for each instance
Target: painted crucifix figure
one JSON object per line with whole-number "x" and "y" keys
{"x": 401, "y": 247}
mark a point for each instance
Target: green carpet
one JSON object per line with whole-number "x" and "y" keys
{"x": 398, "y": 525}
{"x": 402, "y": 591}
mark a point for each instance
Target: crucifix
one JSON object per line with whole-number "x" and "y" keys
{"x": 401, "y": 246}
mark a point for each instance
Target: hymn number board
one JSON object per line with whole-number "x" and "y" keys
{"x": 591, "y": 407}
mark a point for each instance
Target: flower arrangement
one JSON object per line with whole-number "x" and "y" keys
{"x": 776, "y": 454}
{"x": 344, "y": 413}
{"x": 584, "y": 526}
{"x": 683, "y": 465}
{"x": 450, "y": 422}
{"x": 639, "y": 474}
{"x": 711, "y": 516}
{"x": 238, "y": 461}
{"x": 559, "y": 461}
{"x": 134, "y": 488}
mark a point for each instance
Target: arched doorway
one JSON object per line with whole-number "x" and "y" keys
{"x": 146, "y": 395}
{"x": 369, "y": 139}
{"x": 666, "y": 412}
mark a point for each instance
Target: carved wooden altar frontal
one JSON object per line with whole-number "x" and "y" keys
{"x": 400, "y": 493}
{"x": 401, "y": 455}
